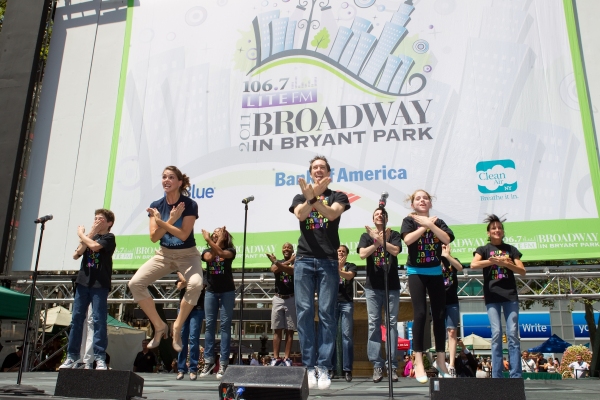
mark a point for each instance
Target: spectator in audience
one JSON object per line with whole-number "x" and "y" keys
{"x": 13, "y": 361}
{"x": 480, "y": 372}
{"x": 579, "y": 367}
{"x": 542, "y": 363}
{"x": 527, "y": 364}
{"x": 145, "y": 361}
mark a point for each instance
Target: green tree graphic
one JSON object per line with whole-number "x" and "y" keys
{"x": 321, "y": 39}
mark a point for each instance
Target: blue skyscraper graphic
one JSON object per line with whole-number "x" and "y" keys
{"x": 391, "y": 66}
{"x": 341, "y": 39}
{"x": 278, "y": 31}
{"x": 262, "y": 31}
{"x": 390, "y": 37}
{"x": 400, "y": 19}
{"x": 289, "y": 35}
{"x": 359, "y": 25}
{"x": 363, "y": 48}
{"x": 402, "y": 73}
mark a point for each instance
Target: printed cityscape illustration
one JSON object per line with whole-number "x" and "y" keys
{"x": 354, "y": 51}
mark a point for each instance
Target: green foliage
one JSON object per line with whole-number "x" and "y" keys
{"x": 570, "y": 355}
{"x": 2, "y": 9}
{"x": 321, "y": 39}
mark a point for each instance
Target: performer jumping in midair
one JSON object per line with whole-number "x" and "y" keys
{"x": 172, "y": 221}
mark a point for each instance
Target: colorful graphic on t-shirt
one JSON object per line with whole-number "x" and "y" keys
{"x": 447, "y": 273}
{"x": 93, "y": 259}
{"x": 498, "y": 271}
{"x": 216, "y": 266}
{"x": 315, "y": 220}
{"x": 379, "y": 257}
{"x": 285, "y": 278}
{"x": 427, "y": 248}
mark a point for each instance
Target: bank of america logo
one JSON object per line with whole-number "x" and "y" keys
{"x": 497, "y": 176}
{"x": 353, "y": 51}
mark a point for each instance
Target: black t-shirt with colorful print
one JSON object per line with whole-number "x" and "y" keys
{"x": 427, "y": 250}
{"x": 450, "y": 275}
{"x": 318, "y": 235}
{"x": 96, "y": 266}
{"x": 499, "y": 283}
{"x": 219, "y": 275}
{"x": 284, "y": 282}
{"x": 346, "y": 288}
{"x": 375, "y": 263}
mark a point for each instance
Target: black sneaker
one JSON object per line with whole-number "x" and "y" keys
{"x": 348, "y": 376}
{"x": 377, "y": 374}
{"x": 222, "y": 369}
{"x": 207, "y": 369}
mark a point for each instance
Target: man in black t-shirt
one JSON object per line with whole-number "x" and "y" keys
{"x": 318, "y": 210}
{"x": 93, "y": 284}
{"x": 13, "y": 361}
{"x": 370, "y": 247}
{"x": 145, "y": 361}
{"x": 283, "y": 313}
{"x": 345, "y": 310}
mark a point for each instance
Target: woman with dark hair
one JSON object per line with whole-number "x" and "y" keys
{"x": 220, "y": 296}
{"x": 500, "y": 262}
{"x": 424, "y": 237}
{"x": 172, "y": 219}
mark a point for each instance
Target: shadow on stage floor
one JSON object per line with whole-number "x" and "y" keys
{"x": 165, "y": 386}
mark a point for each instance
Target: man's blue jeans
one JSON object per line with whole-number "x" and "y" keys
{"x": 511, "y": 314}
{"x": 320, "y": 275}
{"x": 213, "y": 303}
{"x": 83, "y": 297}
{"x": 345, "y": 318}
{"x": 375, "y": 303}
{"x": 190, "y": 335}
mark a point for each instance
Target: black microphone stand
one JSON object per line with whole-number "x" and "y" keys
{"x": 242, "y": 291}
{"x": 388, "y": 333}
{"x": 18, "y": 388}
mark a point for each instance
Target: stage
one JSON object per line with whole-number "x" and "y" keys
{"x": 164, "y": 386}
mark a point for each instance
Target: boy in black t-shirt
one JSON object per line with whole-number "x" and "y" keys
{"x": 283, "y": 313}
{"x": 93, "y": 284}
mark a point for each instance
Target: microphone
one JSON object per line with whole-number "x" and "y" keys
{"x": 248, "y": 199}
{"x": 43, "y": 219}
{"x": 383, "y": 199}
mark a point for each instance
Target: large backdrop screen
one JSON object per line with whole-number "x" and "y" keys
{"x": 481, "y": 103}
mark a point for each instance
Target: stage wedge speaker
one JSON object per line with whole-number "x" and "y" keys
{"x": 264, "y": 383}
{"x": 476, "y": 389}
{"x": 98, "y": 384}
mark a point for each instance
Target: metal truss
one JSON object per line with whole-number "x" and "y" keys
{"x": 259, "y": 288}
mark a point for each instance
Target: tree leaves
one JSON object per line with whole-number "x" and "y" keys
{"x": 321, "y": 39}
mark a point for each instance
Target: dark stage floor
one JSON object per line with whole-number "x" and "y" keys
{"x": 164, "y": 386}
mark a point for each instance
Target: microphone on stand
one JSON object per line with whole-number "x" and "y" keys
{"x": 43, "y": 219}
{"x": 248, "y": 199}
{"x": 383, "y": 199}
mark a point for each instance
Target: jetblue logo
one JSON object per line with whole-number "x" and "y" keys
{"x": 497, "y": 176}
{"x": 201, "y": 192}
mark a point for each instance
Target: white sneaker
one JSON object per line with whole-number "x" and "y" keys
{"x": 324, "y": 379}
{"x": 68, "y": 364}
{"x": 222, "y": 369}
{"x": 312, "y": 378}
{"x": 101, "y": 365}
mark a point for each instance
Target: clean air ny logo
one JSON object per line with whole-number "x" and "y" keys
{"x": 497, "y": 176}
